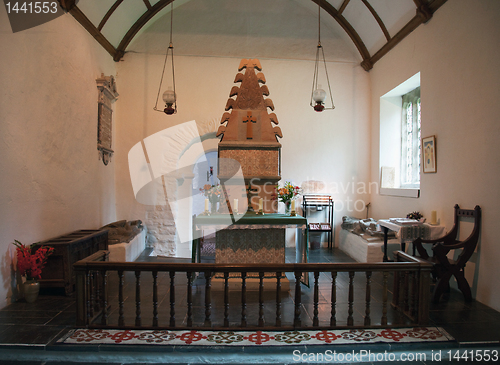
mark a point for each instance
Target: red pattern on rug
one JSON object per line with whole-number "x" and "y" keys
{"x": 252, "y": 338}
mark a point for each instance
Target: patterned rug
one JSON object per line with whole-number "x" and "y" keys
{"x": 252, "y": 338}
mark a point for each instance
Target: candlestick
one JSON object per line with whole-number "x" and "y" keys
{"x": 261, "y": 207}
{"x": 235, "y": 206}
{"x": 292, "y": 210}
{"x": 206, "y": 205}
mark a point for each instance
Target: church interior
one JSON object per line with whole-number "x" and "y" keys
{"x": 87, "y": 145}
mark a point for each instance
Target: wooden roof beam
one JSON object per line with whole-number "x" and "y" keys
{"x": 108, "y": 14}
{"x": 378, "y": 19}
{"x": 423, "y": 14}
{"x": 325, "y": 5}
{"x": 146, "y": 17}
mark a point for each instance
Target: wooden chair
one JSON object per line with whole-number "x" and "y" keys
{"x": 445, "y": 268}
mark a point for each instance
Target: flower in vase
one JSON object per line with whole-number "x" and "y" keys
{"x": 30, "y": 264}
{"x": 286, "y": 193}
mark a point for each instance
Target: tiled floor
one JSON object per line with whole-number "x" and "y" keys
{"x": 27, "y": 331}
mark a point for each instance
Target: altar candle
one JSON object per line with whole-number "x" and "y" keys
{"x": 293, "y": 205}
{"x": 261, "y": 204}
{"x": 206, "y": 205}
{"x": 433, "y": 217}
{"x": 235, "y": 205}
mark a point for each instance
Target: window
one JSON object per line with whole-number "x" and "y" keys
{"x": 400, "y": 138}
{"x": 410, "y": 140}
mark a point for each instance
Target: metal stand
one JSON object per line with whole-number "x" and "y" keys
{"x": 324, "y": 201}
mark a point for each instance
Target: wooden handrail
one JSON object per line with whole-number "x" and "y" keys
{"x": 411, "y": 289}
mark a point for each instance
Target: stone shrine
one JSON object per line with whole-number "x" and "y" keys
{"x": 250, "y": 136}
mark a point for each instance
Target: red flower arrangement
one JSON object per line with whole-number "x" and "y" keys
{"x": 29, "y": 264}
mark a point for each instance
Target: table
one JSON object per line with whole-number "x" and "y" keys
{"x": 409, "y": 232}
{"x": 274, "y": 224}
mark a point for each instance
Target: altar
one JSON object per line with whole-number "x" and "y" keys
{"x": 252, "y": 238}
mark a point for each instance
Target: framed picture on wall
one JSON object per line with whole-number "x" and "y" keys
{"x": 429, "y": 154}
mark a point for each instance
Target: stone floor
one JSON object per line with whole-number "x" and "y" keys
{"x": 28, "y": 332}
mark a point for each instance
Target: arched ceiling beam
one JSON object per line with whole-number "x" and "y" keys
{"x": 146, "y": 17}
{"x": 108, "y": 14}
{"x": 377, "y": 18}
{"x": 424, "y": 11}
{"x": 342, "y": 7}
{"x": 350, "y": 32}
{"x": 69, "y": 6}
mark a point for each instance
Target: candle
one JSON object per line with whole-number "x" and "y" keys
{"x": 235, "y": 205}
{"x": 261, "y": 204}
{"x": 206, "y": 205}
{"x": 293, "y": 205}
{"x": 433, "y": 217}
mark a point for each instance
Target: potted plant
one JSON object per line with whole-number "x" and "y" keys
{"x": 30, "y": 267}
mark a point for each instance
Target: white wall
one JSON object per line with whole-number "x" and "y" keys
{"x": 332, "y": 146}
{"x": 51, "y": 181}
{"x": 457, "y": 55}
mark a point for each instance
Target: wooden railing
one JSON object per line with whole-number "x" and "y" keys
{"x": 101, "y": 290}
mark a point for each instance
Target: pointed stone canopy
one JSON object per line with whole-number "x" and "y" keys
{"x": 249, "y": 99}
{"x": 249, "y": 133}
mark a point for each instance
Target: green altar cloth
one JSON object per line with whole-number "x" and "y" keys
{"x": 252, "y": 238}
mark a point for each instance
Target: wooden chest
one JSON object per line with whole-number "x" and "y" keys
{"x": 68, "y": 249}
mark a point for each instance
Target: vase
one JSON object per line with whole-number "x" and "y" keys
{"x": 213, "y": 207}
{"x": 31, "y": 290}
{"x": 288, "y": 207}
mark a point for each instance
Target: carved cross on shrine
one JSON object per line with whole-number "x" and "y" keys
{"x": 249, "y": 120}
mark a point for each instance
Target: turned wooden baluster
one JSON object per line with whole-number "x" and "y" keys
{"x": 296, "y": 320}
{"x": 384, "y": 299}
{"x": 226, "y": 299}
{"x": 189, "y": 299}
{"x": 172, "y": 298}
{"x": 138, "y": 298}
{"x": 90, "y": 297}
{"x": 316, "y": 299}
{"x": 155, "y": 298}
{"x": 333, "y": 320}
{"x": 96, "y": 302}
{"x": 278, "y": 299}
{"x": 208, "y": 299}
{"x": 350, "y": 319}
{"x": 104, "y": 318}
{"x": 402, "y": 297}
{"x": 261, "y": 299}
{"x": 406, "y": 295}
{"x": 121, "y": 317}
{"x": 368, "y": 298}
{"x": 243, "y": 299}
{"x": 414, "y": 296}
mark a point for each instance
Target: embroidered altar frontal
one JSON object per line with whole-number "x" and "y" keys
{"x": 250, "y": 246}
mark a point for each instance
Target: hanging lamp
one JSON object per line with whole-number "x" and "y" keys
{"x": 319, "y": 95}
{"x": 169, "y": 96}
